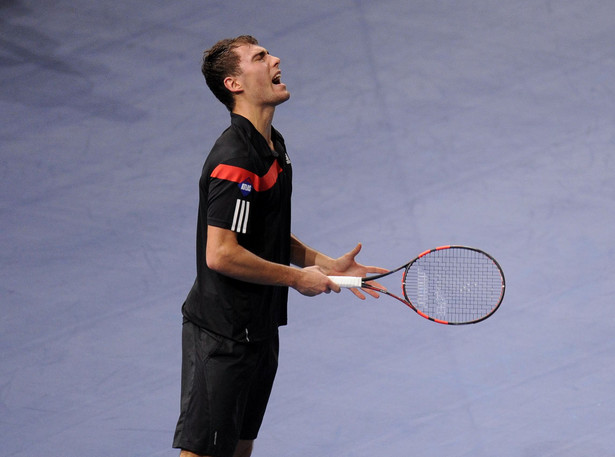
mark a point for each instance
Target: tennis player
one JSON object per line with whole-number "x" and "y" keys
{"x": 244, "y": 251}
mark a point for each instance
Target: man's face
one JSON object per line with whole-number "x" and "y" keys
{"x": 260, "y": 76}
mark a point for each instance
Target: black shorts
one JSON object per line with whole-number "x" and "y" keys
{"x": 224, "y": 390}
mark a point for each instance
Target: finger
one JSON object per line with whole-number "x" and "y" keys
{"x": 377, "y": 270}
{"x": 377, "y": 285}
{"x": 333, "y": 287}
{"x": 371, "y": 293}
{"x": 358, "y": 293}
{"x": 353, "y": 253}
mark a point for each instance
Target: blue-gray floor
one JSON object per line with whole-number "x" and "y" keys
{"x": 411, "y": 124}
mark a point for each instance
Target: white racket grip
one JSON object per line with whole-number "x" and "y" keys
{"x": 346, "y": 281}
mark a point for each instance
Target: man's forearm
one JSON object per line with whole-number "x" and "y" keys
{"x": 304, "y": 256}
{"x": 227, "y": 257}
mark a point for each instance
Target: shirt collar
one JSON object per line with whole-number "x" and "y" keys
{"x": 255, "y": 137}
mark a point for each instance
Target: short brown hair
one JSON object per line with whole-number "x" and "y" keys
{"x": 221, "y": 61}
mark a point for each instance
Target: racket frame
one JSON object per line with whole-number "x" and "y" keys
{"x": 406, "y": 301}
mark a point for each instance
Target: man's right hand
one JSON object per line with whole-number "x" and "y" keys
{"x": 312, "y": 281}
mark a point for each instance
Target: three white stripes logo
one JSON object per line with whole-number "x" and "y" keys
{"x": 240, "y": 219}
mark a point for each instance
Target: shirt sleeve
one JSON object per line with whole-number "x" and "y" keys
{"x": 230, "y": 197}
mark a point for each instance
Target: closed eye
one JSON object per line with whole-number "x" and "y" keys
{"x": 261, "y": 55}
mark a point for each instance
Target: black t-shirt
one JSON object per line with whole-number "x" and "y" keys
{"x": 244, "y": 187}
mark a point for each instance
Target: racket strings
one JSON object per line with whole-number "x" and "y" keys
{"x": 454, "y": 285}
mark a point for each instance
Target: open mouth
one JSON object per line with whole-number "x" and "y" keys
{"x": 277, "y": 79}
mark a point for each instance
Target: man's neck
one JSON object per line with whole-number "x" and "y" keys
{"x": 261, "y": 119}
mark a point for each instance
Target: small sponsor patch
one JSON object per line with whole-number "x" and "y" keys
{"x": 246, "y": 187}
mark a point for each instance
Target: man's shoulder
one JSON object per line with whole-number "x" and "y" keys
{"x": 232, "y": 145}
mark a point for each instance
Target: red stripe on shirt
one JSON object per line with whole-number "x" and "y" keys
{"x": 239, "y": 175}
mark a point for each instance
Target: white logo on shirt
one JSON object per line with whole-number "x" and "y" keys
{"x": 240, "y": 218}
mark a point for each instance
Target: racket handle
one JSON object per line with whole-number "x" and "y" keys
{"x": 346, "y": 281}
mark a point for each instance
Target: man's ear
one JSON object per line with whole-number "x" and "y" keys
{"x": 233, "y": 85}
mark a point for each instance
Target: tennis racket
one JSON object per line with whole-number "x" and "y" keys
{"x": 451, "y": 285}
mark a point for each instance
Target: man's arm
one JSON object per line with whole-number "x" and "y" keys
{"x": 226, "y": 256}
{"x": 304, "y": 256}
